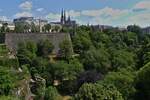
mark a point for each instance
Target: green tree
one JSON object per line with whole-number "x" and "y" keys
{"x": 5, "y": 28}
{"x": 144, "y": 54}
{"x": 123, "y": 80}
{"x": 131, "y": 39}
{"x": 142, "y": 83}
{"x": 39, "y": 87}
{"x": 51, "y": 93}
{"x": 47, "y": 28}
{"x": 98, "y": 92}
{"x": 32, "y": 47}
{"x": 45, "y": 48}
{"x": 2, "y": 38}
{"x": 57, "y": 28}
{"x": 8, "y": 98}
{"x": 99, "y": 39}
{"x": 66, "y": 49}
{"x": 81, "y": 43}
{"x": 143, "y": 51}
{"x": 134, "y": 28}
{"x": 19, "y": 27}
{"x": 22, "y": 27}
{"x": 23, "y": 54}
{"x": 69, "y": 80}
{"x": 6, "y": 80}
{"x": 26, "y": 27}
{"x": 122, "y": 59}
{"x": 34, "y": 28}
{"x": 39, "y": 65}
{"x": 64, "y": 71}
{"x": 97, "y": 60}
{"x": 26, "y": 52}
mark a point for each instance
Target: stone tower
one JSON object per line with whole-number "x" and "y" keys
{"x": 63, "y": 17}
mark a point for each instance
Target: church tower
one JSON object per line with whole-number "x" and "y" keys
{"x": 69, "y": 19}
{"x": 62, "y": 17}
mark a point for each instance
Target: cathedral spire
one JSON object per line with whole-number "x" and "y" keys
{"x": 62, "y": 16}
{"x": 69, "y": 19}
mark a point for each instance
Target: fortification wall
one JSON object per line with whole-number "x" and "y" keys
{"x": 13, "y": 39}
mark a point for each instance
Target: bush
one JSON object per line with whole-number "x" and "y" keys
{"x": 98, "y": 92}
{"x": 51, "y": 94}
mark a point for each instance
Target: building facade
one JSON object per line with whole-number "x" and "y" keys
{"x": 8, "y": 24}
{"x": 29, "y": 21}
{"x": 146, "y": 30}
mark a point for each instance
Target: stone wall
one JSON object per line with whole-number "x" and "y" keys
{"x": 13, "y": 39}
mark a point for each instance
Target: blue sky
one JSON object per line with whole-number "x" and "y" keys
{"x": 108, "y": 12}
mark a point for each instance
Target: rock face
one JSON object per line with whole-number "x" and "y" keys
{"x": 13, "y": 39}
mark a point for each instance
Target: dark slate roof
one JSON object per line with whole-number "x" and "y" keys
{"x": 13, "y": 39}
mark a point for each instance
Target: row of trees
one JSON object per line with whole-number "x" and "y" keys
{"x": 26, "y": 27}
{"x": 4, "y": 28}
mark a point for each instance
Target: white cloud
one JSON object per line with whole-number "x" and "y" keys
{"x": 143, "y": 5}
{"x": 91, "y": 13}
{"x": 140, "y": 19}
{"x": 107, "y": 12}
{"x": 4, "y": 18}
{"x": 53, "y": 17}
{"x": 74, "y": 13}
{"x": 105, "y": 15}
{"x": 27, "y": 5}
{"x": 56, "y": 16}
{"x": 40, "y": 9}
{"x": 23, "y": 14}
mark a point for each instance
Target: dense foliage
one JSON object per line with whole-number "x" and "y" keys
{"x": 106, "y": 65}
{"x": 98, "y": 92}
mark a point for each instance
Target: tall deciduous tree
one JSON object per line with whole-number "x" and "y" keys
{"x": 51, "y": 93}
{"x": 97, "y": 60}
{"x": 123, "y": 80}
{"x": 143, "y": 81}
{"x": 47, "y": 28}
{"x": 66, "y": 49}
{"x": 45, "y": 48}
{"x": 26, "y": 52}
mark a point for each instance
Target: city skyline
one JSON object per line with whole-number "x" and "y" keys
{"x": 107, "y": 12}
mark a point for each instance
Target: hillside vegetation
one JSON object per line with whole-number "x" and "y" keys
{"x": 106, "y": 65}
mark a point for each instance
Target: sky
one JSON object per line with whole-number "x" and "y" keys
{"x": 103, "y": 12}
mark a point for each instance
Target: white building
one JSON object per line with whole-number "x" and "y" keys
{"x": 10, "y": 25}
{"x": 37, "y": 22}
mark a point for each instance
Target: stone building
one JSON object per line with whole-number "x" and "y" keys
{"x": 39, "y": 23}
{"x": 146, "y": 30}
{"x": 10, "y": 25}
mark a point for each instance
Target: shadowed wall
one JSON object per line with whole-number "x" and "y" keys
{"x": 13, "y": 39}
